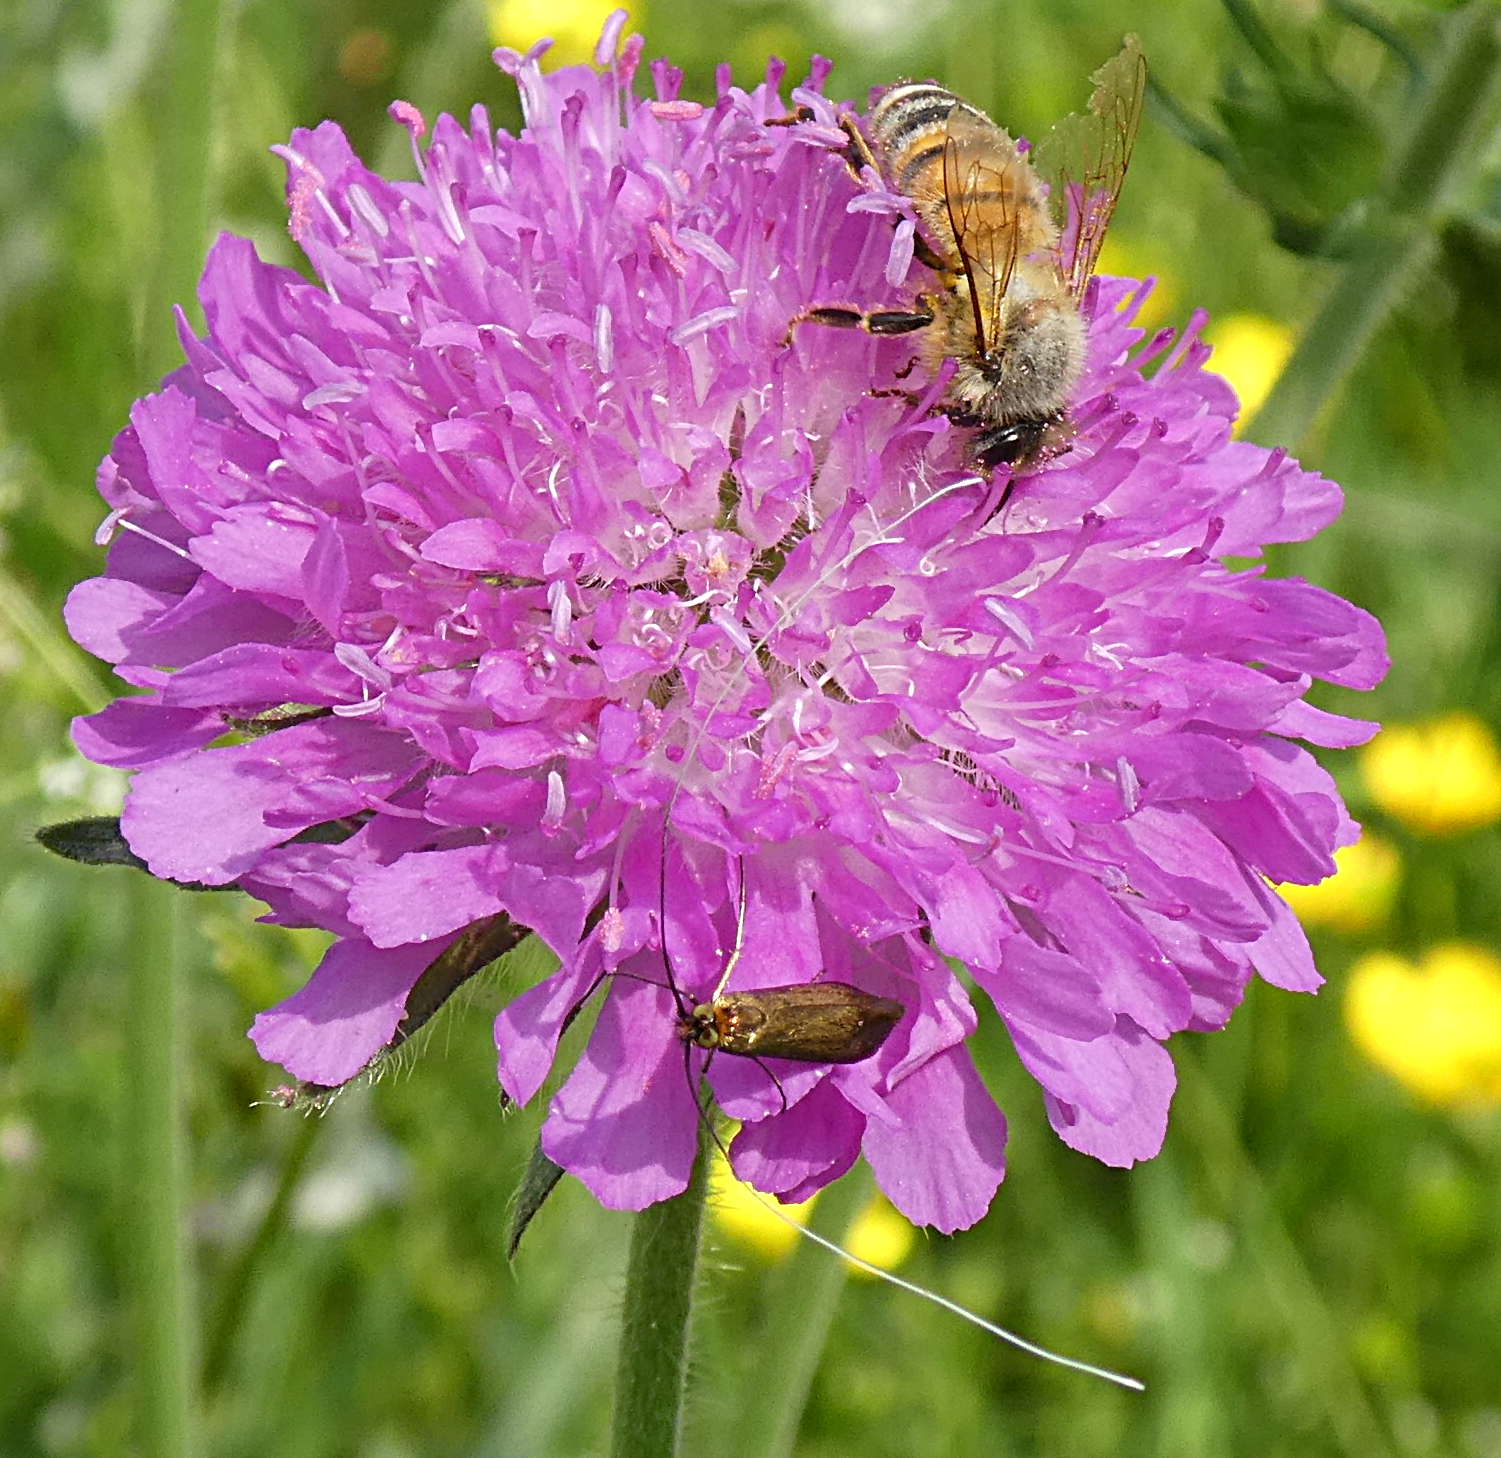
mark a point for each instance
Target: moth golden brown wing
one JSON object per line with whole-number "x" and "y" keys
{"x": 1084, "y": 159}
{"x": 815, "y": 1022}
{"x": 983, "y": 182}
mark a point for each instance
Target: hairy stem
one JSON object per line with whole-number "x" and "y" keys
{"x": 651, "y": 1373}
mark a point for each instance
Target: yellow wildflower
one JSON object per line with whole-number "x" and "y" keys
{"x": 1435, "y": 1025}
{"x": 1249, "y": 351}
{"x": 574, "y": 25}
{"x": 742, "y": 1214}
{"x": 1359, "y": 894}
{"x": 1441, "y": 777}
{"x": 880, "y": 1235}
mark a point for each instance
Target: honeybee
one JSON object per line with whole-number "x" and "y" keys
{"x": 1013, "y": 235}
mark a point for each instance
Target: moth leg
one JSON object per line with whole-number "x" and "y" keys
{"x": 781, "y": 1092}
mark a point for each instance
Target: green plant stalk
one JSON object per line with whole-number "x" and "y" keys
{"x": 1314, "y": 1332}
{"x": 158, "y": 1181}
{"x": 1440, "y": 143}
{"x": 652, "y": 1369}
{"x": 183, "y": 147}
{"x": 51, "y": 647}
{"x": 235, "y": 1289}
{"x": 801, "y": 1300}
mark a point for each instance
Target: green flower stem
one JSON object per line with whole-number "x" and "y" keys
{"x": 50, "y": 646}
{"x": 800, "y": 1301}
{"x": 158, "y": 1182}
{"x": 1441, "y": 142}
{"x": 237, "y": 1285}
{"x": 1314, "y": 1336}
{"x": 650, "y": 1375}
{"x": 184, "y": 148}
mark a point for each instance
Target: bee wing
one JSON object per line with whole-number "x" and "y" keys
{"x": 983, "y": 179}
{"x": 1084, "y": 159}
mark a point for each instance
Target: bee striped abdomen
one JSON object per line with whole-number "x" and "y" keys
{"x": 908, "y": 115}
{"x": 909, "y": 127}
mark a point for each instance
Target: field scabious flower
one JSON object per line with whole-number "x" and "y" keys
{"x": 604, "y": 607}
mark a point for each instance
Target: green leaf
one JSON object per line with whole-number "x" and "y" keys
{"x": 97, "y": 841}
{"x": 539, "y": 1181}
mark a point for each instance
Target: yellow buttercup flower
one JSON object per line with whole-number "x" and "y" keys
{"x": 1441, "y": 777}
{"x": 1435, "y": 1025}
{"x": 574, "y": 25}
{"x": 1122, "y": 255}
{"x": 741, "y": 1213}
{"x": 1249, "y": 351}
{"x": 881, "y": 1236}
{"x": 1358, "y": 896}
{"x": 878, "y": 1235}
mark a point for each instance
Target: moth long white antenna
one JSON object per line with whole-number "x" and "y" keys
{"x": 729, "y": 967}
{"x": 1011, "y": 1338}
{"x": 974, "y": 1318}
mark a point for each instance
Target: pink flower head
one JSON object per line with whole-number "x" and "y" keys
{"x": 611, "y": 610}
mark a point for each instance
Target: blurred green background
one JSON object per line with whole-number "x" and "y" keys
{"x": 1312, "y": 1267}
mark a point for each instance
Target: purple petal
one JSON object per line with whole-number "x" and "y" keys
{"x": 424, "y": 895}
{"x": 345, "y": 1015}
{"x": 1136, "y": 1131}
{"x": 807, "y": 1146}
{"x": 138, "y": 733}
{"x": 626, "y": 1122}
{"x": 167, "y": 819}
{"x": 945, "y": 1161}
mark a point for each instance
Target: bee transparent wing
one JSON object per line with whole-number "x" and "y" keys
{"x": 983, "y": 178}
{"x": 1084, "y": 159}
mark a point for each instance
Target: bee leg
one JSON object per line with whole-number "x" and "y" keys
{"x": 877, "y": 321}
{"x": 926, "y": 255}
{"x": 802, "y": 114}
{"x": 857, "y": 155}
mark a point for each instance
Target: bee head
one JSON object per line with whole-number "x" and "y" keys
{"x": 1012, "y": 444}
